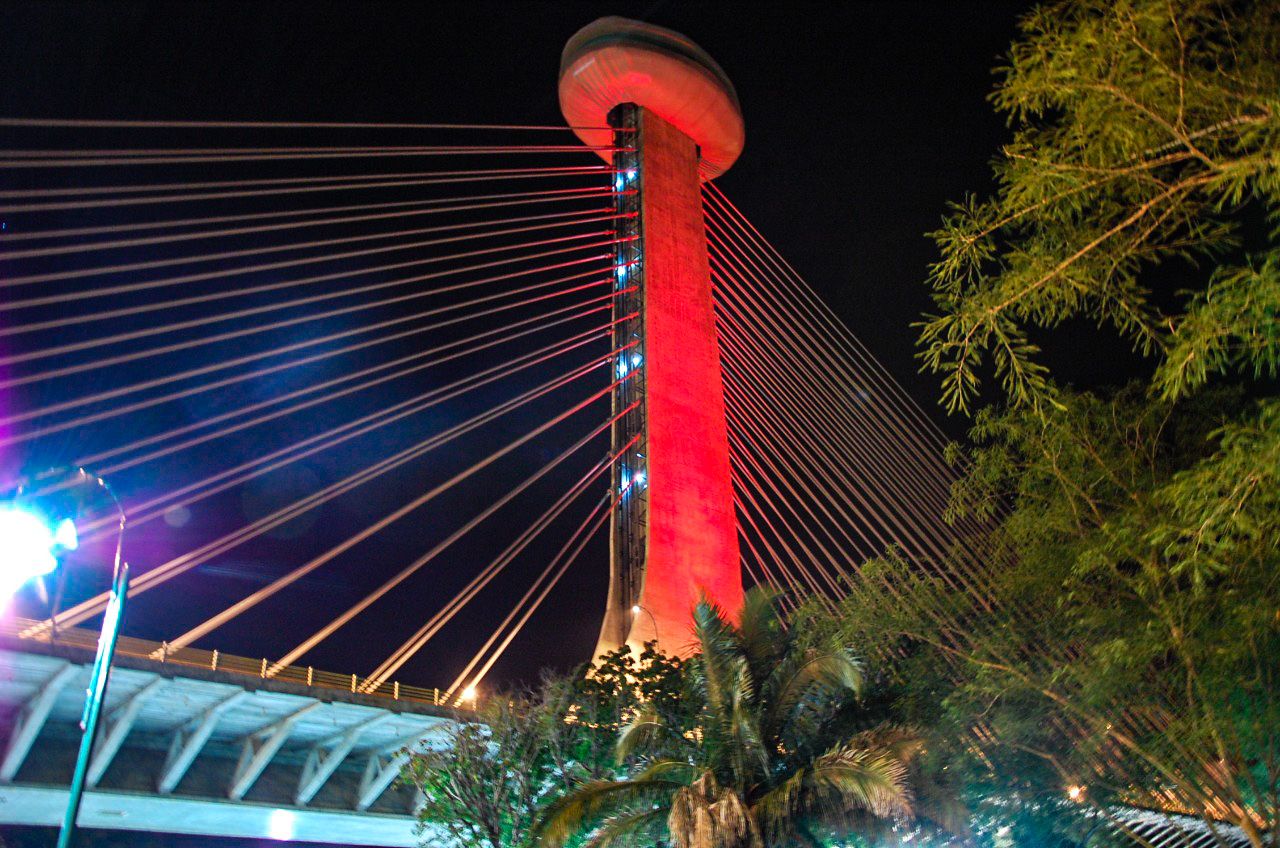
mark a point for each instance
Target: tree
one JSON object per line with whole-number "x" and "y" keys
{"x": 775, "y": 751}
{"x": 1132, "y": 645}
{"x": 1143, "y": 129}
{"x": 1095, "y": 661}
{"x": 486, "y": 781}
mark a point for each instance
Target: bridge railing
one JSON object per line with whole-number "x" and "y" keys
{"x": 35, "y": 631}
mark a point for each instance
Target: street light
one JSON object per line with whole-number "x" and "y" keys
{"x": 31, "y": 546}
{"x": 636, "y": 609}
{"x": 31, "y": 550}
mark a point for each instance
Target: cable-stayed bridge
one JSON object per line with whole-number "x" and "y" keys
{"x": 402, "y": 400}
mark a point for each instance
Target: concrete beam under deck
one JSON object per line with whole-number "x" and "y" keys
{"x": 43, "y": 805}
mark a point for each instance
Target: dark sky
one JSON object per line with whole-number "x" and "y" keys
{"x": 863, "y": 121}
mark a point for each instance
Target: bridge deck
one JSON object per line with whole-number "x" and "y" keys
{"x": 210, "y": 751}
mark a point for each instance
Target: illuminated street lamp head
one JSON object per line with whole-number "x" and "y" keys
{"x": 31, "y": 546}
{"x": 469, "y": 695}
{"x": 1075, "y": 793}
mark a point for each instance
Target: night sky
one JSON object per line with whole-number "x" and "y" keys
{"x": 863, "y": 120}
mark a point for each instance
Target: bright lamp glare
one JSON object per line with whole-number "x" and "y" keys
{"x": 469, "y": 694}
{"x": 28, "y": 547}
{"x": 64, "y": 535}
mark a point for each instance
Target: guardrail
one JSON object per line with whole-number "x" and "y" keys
{"x": 37, "y": 631}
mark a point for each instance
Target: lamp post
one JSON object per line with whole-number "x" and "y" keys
{"x": 32, "y": 551}
{"x": 636, "y": 609}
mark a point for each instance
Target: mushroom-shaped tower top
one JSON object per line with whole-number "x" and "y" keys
{"x": 617, "y": 60}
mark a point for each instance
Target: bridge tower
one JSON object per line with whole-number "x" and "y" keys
{"x": 675, "y": 122}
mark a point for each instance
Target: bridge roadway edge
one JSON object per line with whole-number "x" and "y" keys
{"x": 85, "y": 656}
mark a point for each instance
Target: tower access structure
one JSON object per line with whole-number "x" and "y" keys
{"x": 674, "y": 121}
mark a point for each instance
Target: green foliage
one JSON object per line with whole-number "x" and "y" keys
{"x": 1136, "y": 614}
{"x": 1128, "y": 640}
{"x": 487, "y": 781}
{"x": 1141, "y": 128}
{"x": 775, "y": 747}
{"x": 1232, "y": 326}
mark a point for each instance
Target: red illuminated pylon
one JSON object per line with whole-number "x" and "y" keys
{"x": 676, "y": 119}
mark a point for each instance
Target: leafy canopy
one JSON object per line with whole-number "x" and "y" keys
{"x": 1142, "y": 128}
{"x": 1130, "y": 643}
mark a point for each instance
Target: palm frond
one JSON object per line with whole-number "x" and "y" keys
{"x": 748, "y": 741}
{"x": 577, "y": 811}
{"x": 636, "y": 829}
{"x": 718, "y": 642}
{"x": 834, "y": 675}
{"x": 643, "y": 728}
{"x": 902, "y": 741}
{"x": 776, "y": 810}
{"x": 677, "y": 771}
{"x": 719, "y": 660}
{"x": 854, "y": 777}
{"x": 760, "y": 629}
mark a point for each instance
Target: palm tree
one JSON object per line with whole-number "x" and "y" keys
{"x": 773, "y": 754}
